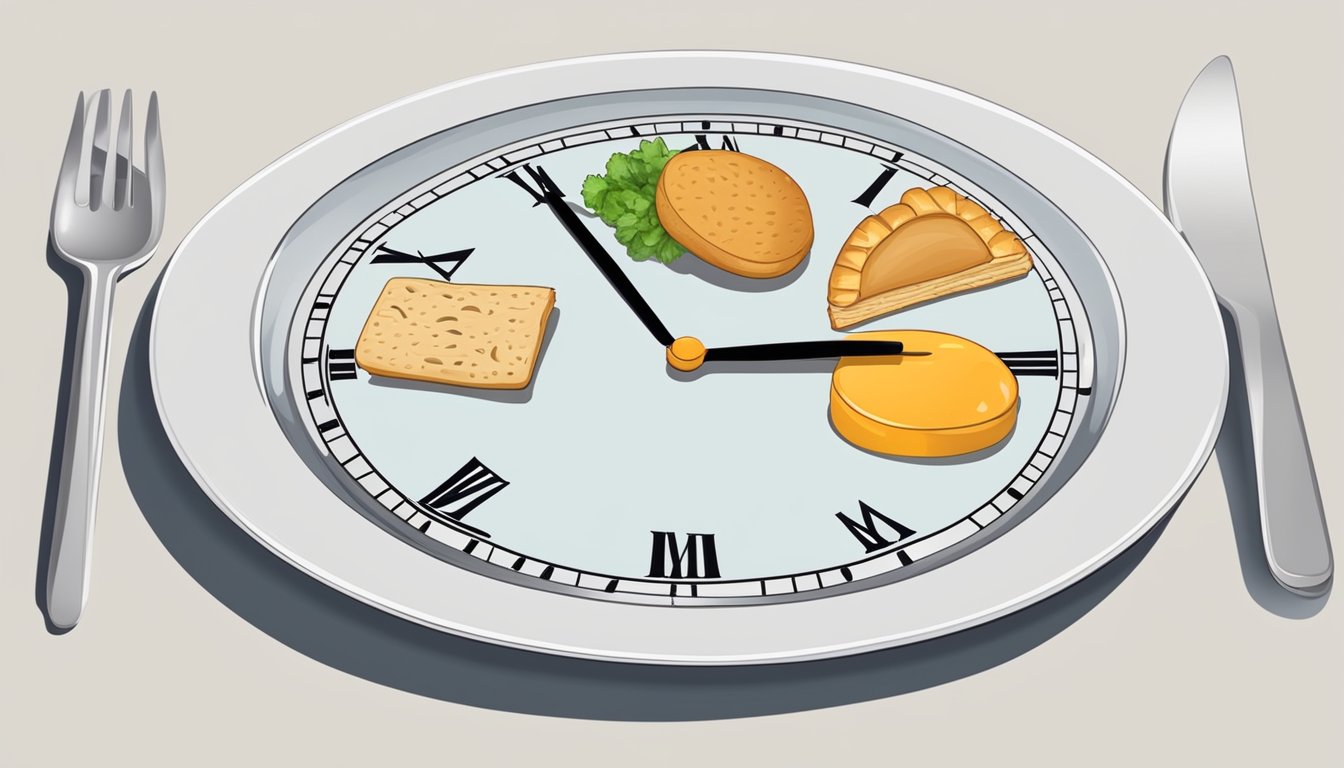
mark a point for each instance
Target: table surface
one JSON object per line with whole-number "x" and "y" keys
{"x": 198, "y": 648}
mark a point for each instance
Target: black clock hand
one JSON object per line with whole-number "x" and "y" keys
{"x": 807, "y": 350}
{"x": 687, "y": 353}
{"x": 554, "y": 199}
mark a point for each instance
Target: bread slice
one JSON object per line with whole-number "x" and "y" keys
{"x": 735, "y": 211}
{"x": 482, "y": 336}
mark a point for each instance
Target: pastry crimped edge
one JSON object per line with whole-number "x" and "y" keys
{"x": 1009, "y": 257}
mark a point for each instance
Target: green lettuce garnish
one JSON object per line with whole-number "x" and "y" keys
{"x": 623, "y": 199}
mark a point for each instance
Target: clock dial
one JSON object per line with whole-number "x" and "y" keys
{"x": 614, "y": 475}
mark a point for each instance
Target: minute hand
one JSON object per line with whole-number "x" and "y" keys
{"x": 599, "y": 256}
{"x": 807, "y": 350}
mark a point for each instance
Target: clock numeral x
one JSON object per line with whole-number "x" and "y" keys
{"x": 385, "y": 255}
{"x": 469, "y": 487}
{"x": 699, "y": 559}
{"x": 544, "y": 185}
{"x": 867, "y": 532}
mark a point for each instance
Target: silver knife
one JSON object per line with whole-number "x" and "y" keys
{"x": 1208, "y": 198}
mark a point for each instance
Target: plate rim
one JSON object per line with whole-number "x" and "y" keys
{"x": 167, "y": 387}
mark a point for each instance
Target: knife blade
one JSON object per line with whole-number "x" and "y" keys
{"x": 1207, "y": 186}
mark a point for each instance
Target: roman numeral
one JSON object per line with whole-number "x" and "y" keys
{"x": 544, "y": 185}
{"x": 867, "y": 532}
{"x": 1041, "y": 363}
{"x": 697, "y": 560}
{"x": 340, "y": 364}
{"x": 870, "y": 194}
{"x": 468, "y": 488}
{"x": 702, "y": 142}
{"x": 386, "y": 255}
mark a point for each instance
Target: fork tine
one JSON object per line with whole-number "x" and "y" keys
{"x": 122, "y": 187}
{"x": 98, "y": 157}
{"x": 67, "y": 181}
{"x": 154, "y": 161}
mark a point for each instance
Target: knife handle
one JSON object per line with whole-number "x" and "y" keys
{"x": 1292, "y": 523}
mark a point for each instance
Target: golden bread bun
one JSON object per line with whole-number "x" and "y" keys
{"x": 735, "y": 211}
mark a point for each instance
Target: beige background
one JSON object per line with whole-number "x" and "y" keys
{"x": 1180, "y": 665}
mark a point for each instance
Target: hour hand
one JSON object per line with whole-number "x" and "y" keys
{"x": 687, "y": 353}
{"x": 553, "y": 198}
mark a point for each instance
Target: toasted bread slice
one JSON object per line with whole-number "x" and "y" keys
{"x": 933, "y": 243}
{"x": 483, "y": 336}
{"x": 735, "y": 211}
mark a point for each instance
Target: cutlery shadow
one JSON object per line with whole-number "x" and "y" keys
{"x": 339, "y": 631}
{"x": 74, "y": 287}
{"x": 1236, "y": 462}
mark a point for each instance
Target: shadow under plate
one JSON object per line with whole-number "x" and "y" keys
{"x": 344, "y": 633}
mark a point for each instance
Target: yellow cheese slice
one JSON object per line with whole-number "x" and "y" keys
{"x": 958, "y": 399}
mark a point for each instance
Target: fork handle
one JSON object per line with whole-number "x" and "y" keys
{"x": 72, "y": 534}
{"x": 1292, "y": 523}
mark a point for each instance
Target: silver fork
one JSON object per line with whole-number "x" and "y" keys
{"x": 106, "y": 233}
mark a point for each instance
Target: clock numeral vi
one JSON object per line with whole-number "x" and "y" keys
{"x": 868, "y": 533}
{"x": 468, "y": 488}
{"x": 699, "y": 559}
{"x": 386, "y": 255}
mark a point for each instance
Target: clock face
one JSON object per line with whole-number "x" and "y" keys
{"x": 613, "y": 475}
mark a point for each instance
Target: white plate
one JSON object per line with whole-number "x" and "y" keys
{"x": 1150, "y": 419}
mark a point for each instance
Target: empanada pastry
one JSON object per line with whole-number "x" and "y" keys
{"x": 933, "y": 243}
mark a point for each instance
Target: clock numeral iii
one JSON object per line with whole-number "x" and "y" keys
{"x": 699, "y": 559}
{"x": 341, "y": 364}
{"x": 1042, "y": 363}
{"x": 386, "y": 255}
{"x": 869, "y": 534}
{"x": 468, "y": 488}
{"x": 538, "y": 176}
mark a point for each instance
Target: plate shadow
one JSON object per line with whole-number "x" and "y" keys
{"x": 339, "y": 631}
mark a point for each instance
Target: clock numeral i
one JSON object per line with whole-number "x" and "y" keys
{"x": 870, "y": 194}
{"x": 867, "y": 532}
{"x": 385, "y": 255}
{"x": 469, "y": 487}
{"x": 699, "y": 559}
{"x": 543, "y": 182}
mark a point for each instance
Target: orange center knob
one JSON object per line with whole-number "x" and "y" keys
{"x": 686, "y": 353}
